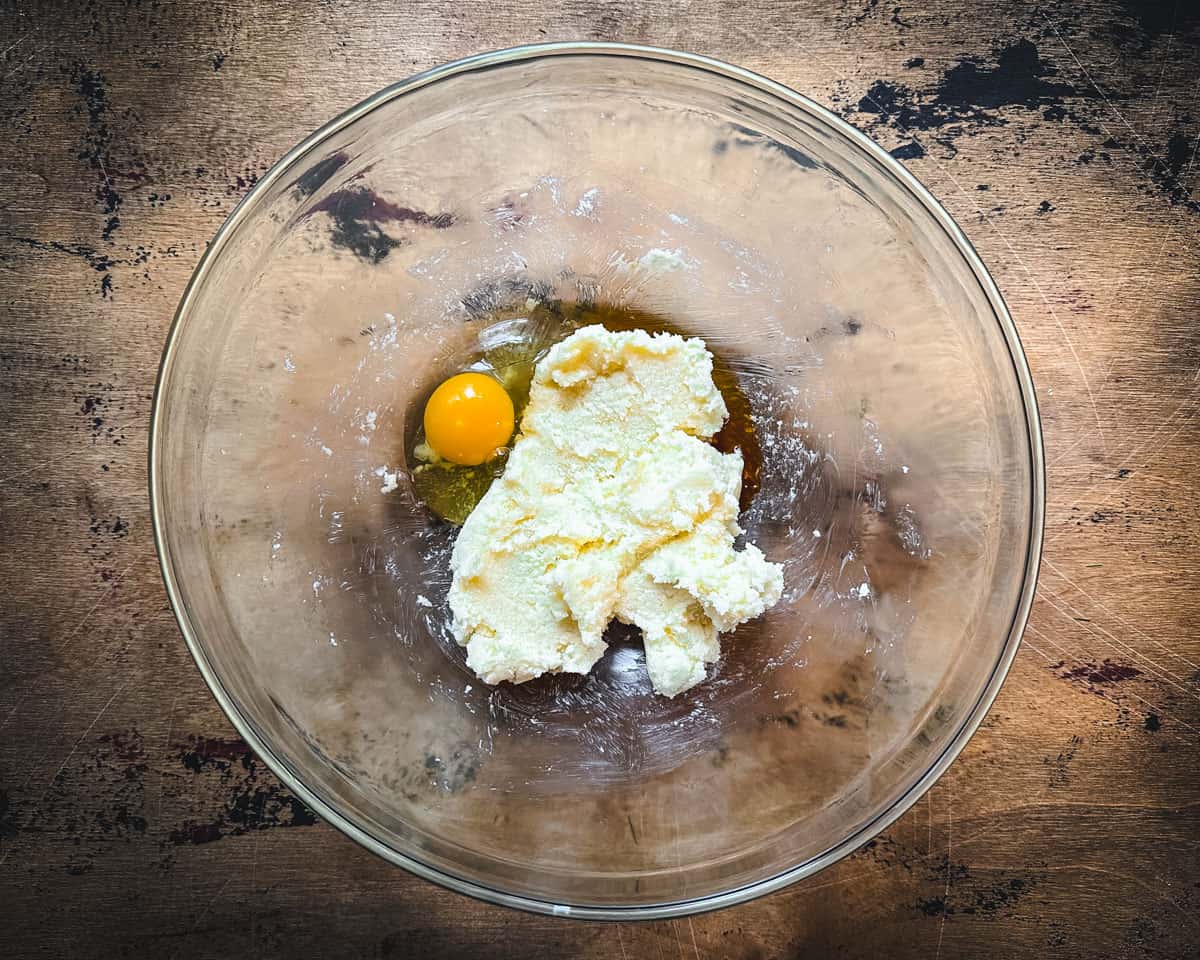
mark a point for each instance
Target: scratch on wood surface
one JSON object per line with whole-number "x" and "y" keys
{"x": 678, "y": 939}
{"x": 1175, "y": 222}
{"x": 1073, "y": 615}
{"x": 1156, "y": 99}
{"x": 1066, "y": 653}
{"x": 24, "y": 63}
{"x": 1158, "y": 161}
{"x": 692, "y": 930}
{"x": 162, "y": 773}
{"x": 1062, "y": 455}
{"x": 1187, "y": 171}
{"x": 109, "y": 587}
{"x": 949, "y": 871}
{"x": 1145, "y": 474}
{"x": 37, "y": 466}
{"x": 1127, "y": 458}
{"x": 1165, "y": 170}
{"x": 1153, "y": 437}
{"x": 1040, "y": 803}
{"x": 1153, "y": 891}
{"x": 62, "y": 766}
{"x": 1053, "y": 568}
{"x": 252, "y": 895}
{"x": 208, "y": 907}
{"x": 621, "y": 941}
{"x": 929, "y": 810}
{"x": 808, "y": 887}
{"x": 16, "y": 43}
{"x": 91, "y": 726}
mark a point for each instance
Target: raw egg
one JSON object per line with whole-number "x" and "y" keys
{"x": 468, "y": 418}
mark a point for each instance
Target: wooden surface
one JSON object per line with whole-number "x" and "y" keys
{"x": 1062, "y": 136}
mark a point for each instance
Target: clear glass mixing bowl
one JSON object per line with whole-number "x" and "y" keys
{"x": 901, "y": 482}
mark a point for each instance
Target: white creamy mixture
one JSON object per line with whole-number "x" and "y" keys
{"x": 611, "y": 505}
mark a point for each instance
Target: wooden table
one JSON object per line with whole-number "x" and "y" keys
{"x": 1062, "y": 136}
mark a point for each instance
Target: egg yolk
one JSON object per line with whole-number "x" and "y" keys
{"x": 468, "y": 418}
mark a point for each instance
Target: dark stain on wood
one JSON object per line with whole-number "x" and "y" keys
{"x": 357, "y": 213}
{"x": 316, "y": 176}
{"x": 247, "y": 800}
{"x": 1105, "y": 672}
{"x": 973, "y": 91}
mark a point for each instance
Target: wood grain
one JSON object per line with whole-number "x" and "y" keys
{"x": 1062, "y": 136}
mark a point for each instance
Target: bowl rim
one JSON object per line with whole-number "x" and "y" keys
{"x": 667, "y": 909}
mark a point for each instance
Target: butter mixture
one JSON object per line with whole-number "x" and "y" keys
{"x": 612, "y": 504}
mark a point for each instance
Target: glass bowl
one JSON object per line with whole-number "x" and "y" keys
{"x": 901, "y": 482}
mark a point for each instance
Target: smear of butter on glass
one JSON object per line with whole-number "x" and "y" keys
{"x": 612, "y": 504}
